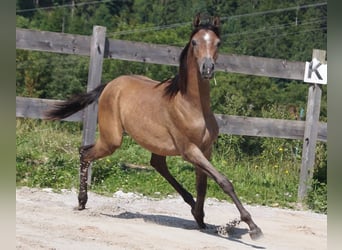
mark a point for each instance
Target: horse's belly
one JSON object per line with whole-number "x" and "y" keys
{"x": 156, "y": 140}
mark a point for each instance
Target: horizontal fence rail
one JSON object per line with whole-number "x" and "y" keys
{"x": 152, "y": 53}
{"x": 228, "y": 124}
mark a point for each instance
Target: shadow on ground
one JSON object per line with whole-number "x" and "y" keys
{"x": 234, "y": 233}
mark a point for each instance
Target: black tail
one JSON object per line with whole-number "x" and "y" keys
{"x": 74, "y": 104}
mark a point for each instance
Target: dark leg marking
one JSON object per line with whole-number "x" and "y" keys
{"x": 84, "y": 166}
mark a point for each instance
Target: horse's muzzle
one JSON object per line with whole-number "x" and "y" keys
{"x": 207, "y": 68}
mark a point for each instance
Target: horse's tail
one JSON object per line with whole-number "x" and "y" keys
{"x": 74, "y": 104}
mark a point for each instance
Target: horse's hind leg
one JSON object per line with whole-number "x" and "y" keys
{"x": 84, "y": 166}
{"x": 159, "y": 163}
{"x": 111, "y": 130}
{"x": 89, "y": 153}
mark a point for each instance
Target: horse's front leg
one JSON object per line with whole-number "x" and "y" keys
{"x": 194, "y": 155}
{"x": 201, "y": 188}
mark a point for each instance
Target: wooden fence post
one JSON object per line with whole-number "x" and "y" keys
{"x": 97, "y": 49}
{"x": 310, "y": 132}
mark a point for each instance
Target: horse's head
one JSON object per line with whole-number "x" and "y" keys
{"x": 204, "y": 43}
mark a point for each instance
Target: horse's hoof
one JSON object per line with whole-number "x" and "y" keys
{"x": 82, "y": 200}
{"x": 256, "y": 234}
{"x": 81, "y": 207}
{"x": 199, "y": 219}
{"x": 201, "y": 224}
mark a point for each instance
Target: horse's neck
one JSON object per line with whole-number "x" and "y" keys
{"x": 198, "y": 89}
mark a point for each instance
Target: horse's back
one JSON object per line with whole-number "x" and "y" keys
{"x": 142, "y": 78}
{"x": 128, "y": 81}
{"x": 132, "y": 90}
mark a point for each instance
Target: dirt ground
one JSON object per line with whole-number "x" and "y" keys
{"x": 48, "y": 220}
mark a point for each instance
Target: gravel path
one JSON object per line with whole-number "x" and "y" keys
{"x": 48, "y": 220}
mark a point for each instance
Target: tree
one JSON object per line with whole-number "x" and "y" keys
{"x": 25, "y": 5}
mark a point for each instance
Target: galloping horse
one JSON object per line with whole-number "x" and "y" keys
{"x": 168, "y": 118}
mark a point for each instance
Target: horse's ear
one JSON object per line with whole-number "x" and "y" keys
{"x": 197, "y": 20}
{"x": 216, "y": 21}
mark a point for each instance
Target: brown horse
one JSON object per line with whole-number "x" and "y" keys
{"x": 168, "y": 118}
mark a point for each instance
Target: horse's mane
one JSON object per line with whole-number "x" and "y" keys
{"x": 179, "y": 81}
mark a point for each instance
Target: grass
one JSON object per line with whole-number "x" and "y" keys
{"x": 47, "y": 156}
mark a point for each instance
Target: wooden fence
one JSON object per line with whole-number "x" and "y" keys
{"x": 99, "y": 47}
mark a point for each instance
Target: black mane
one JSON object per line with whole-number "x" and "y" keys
{"x": 179, "y": 82}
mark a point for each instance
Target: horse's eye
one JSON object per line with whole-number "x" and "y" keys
{"x": 218, "y": 44}
{"x": 193, "y": 42}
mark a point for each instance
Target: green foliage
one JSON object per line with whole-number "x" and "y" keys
{"x": 41, "y": 160}
{"x": 47, "y": 75}
{"x": 317, "y": 199}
